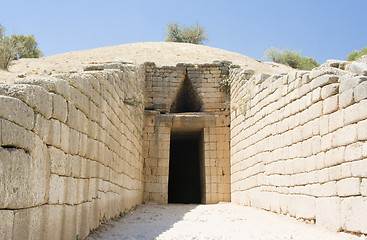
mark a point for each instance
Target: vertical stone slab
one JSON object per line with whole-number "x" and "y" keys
{"x": 6, "y": 226}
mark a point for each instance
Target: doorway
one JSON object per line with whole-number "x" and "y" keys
{"x": 186, "y": 168}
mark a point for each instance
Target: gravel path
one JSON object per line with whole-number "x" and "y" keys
{"x": 219, "y": 221}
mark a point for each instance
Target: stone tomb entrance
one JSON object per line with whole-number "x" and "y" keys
{"x": 186, "y": 181}
{"x": 186, "y": 134}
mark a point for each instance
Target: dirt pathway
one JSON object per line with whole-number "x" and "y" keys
{"x": 220, "y": 221}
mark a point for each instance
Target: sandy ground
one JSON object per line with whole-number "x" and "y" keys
{"x": 162, "y": 53}
{"x": 222, "y": 221}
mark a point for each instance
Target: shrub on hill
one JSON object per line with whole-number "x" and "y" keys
{"x": 17, "y": 46}
{"x": 193, "y": 34}
{"x": 291, "y": 58}
{"x": 356, "y": 54}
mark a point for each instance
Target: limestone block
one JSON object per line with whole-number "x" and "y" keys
{"x": 323, "y": 80}
{"x": 70, "y": 223}
{"x": 328, "y": 189}
{"x": 12, "y": 135}
{"x": 305, "y": 207}
{"x": 316, "y": 72}
{"x": 40, "y": 172}
{"x": 329, "y": 90}
{"x": 82, "y": 144}
{"x": 336, "y": 120}
{"x": 54, "y": 133}
{"x": 335, "y": 172}
{"x": 6, "y": 226}
{"x": 58, "y": 162}
{"x": 357, "y": 67}
{"x": 36, "y": 97}
{"x": 320, "y": 160}
{"x": 72, "y": 120}
{"x": 348, "y": 187}
{"x": 346, "y": 170}
{"x": 353, "y": 214}
{"x": 323, "y": 124}
{"x": 75, "y": 163}
{"x": 74, "y": 141}
{"x": 347, "y": 83}
{"x": 16, "y": 111}
{"x": 364, "y": 187}
{"x": 344, "y": 136}
{"x": 15, "y": 175}
{"x": 29, "y": 223}
{"x": 353, "y": 151}
{"x": 360, "y": 92}
{"x": 53, "y": 222}
{"x": 82, "y": 122}
{"x": 59, "y": 108}
{"x": 79, "y": 100}
{"x": 54, "y": 85}
{"x": 328, "y": 213}
{"x": 359, "y": 168}
{"x": 64, "y": 138}
{"x": 330, "y": 104}
{"x": 346, "y": 98}
{"x": 72, "y": 190}
{"x": 362, "y": 130}
{"x": 42, "y": 128}
{"x": 364, "y": 149}
{"x": 57, "y": 189}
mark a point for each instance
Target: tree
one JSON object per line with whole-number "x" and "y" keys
{"x": 17, "y": 46}
{"x": 353, "y": 56}
{"x": 193, "y": 34}
{"x": 291, "y": 58}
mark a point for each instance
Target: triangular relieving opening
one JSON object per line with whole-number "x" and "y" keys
{"x": 187, "y": 99}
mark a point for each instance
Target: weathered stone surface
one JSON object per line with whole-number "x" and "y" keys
{"x": 13, "y": 135}
{"x": 347, "y": 83}
{"x": 55, "y": 85}
{"x": 353, "y": 214}
{"x": 360, "y": 92}
{"x": 16, "y": 178}
{"x": 320, "y": 71}
{"x": 16, "y": 111}
{"x": 29, "y": 223}
{"x": 57, "y": 189}
{"x": 59, "y": 108}
{"x": 323, "y": 80}
{"x": 6, "y": 226}
{"x": 334, "y": 64}
{"x": 357, "y": 67}
{"x": 348, "y": 187}
{"x": 328, "y": 213}
{"x": 36, "y": 97}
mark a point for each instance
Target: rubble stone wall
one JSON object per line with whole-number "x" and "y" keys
{"x": 70, "y": 152}
{"x": 298, "y": 145}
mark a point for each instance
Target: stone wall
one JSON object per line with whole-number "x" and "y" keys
{"x": 71, "y": 151}
{"x": 162, "y": 91}
{"x": 298, "y": 144}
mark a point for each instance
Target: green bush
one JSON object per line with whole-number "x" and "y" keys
{"x": 194, "y": 34}
{"x": 17, "y": 46}
{"x": 353, "y": 56}
{"x": 291, "y": 58}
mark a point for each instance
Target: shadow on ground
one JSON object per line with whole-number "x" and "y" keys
{"x": 146, "y": 222}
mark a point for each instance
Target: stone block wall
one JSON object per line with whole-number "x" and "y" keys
{"x": 215, "y": 165}
{"x": 163, "y": 83}
{"x": 162, "y": 86}
{"x": 70, "y": 152}
{"x": 298, "y": 145}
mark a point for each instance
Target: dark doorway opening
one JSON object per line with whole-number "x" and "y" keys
{"x": 185, "y": 184}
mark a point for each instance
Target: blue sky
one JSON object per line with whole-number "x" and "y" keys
{"x": 322, "y": 29}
